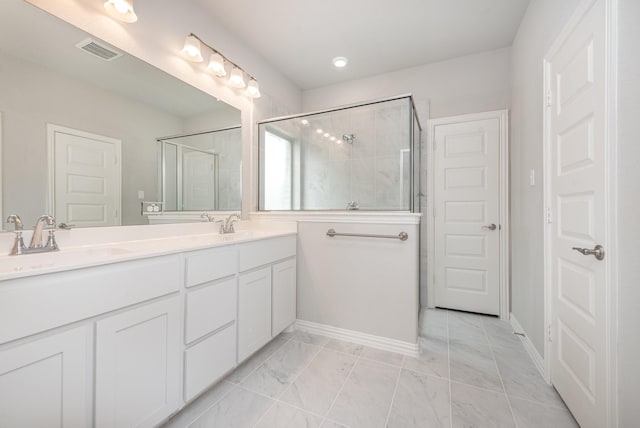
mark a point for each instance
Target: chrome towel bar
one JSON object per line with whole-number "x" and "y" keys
{"x": 403, "y": 236}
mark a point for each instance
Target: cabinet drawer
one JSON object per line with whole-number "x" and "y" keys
{"x": 209, "y": 308}
{"x": 209, "y": 265}
{"x": 208, "y": 361}
{"x": 258, "y": 253}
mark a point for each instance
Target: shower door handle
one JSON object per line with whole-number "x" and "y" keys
{"x": 490, "y": 226}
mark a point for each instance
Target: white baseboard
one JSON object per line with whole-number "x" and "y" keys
{"x": 378, "y": 342}
{"x": 537, "y": 359}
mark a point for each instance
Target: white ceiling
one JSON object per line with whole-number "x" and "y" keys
{"x": 300, "y": 37}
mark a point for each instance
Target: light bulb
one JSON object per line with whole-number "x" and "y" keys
{"x": 319, "y": 131}
{"x": 340, "y": 62}
{"x": 121, "y": 10}
{"x": 326, "y": 135}
{"x": 191, "y": 49}
{"x": 236, "y": 79}
{"x": 333, "y": 138}
{"x": 216, "y": 65}
{"x": 253, "y": 90}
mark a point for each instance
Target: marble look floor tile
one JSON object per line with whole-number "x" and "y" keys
{"x": 433, "y": 323}
{"x": 277, "y": 373}
{"x": 500, "y": 333}
{"x": 238, "y": 409}
{"x": 199, "y": 406}
{"x": 533, "y": 415}
{"x": 343, "y": 346}
{"x": 472, "y": 407}
{"x": 331, "y": 424}
{"x": 318, "y": 385}
{"x": 246, "y": 368}
{"x": 522, "y": 379}
{"x": 473, "y": 364}
{"x": 420, "y": 401}
{"x": 310, "y": 338}
{"x": 465, "y": 327}
{"x": 433, "y": 359}
{"x": 365, "y": 398}
{"x": 382, "y": 356}
{"x": 281, "y": 415}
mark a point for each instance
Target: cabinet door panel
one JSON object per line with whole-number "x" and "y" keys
{"x": 283, "y": 311}
{"x": 254, "y": 311}
{"x": 209, "y": 308}
{"x": 46, "y": 383}
{"x": 208, "y": 360}
{"x": 138, "y": 365}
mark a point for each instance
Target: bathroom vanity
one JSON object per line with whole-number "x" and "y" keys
{"x": 127, "y": 333}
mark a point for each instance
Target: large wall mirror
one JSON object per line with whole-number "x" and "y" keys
{"x": 84, "y": 128}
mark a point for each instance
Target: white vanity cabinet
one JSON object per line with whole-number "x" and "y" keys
{"x": 48, "y": 382}
{"x": 266, "y": 292}
{"x": 283, "y": 295}
{"x": 138, "y": 363}
{"x": 210, "y": 317}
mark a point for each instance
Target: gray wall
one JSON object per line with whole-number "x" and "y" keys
{"x": 539, "y": 28}
{"x": 628, "y": 210}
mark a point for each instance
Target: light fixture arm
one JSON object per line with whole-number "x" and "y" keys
{"x": 224, "y": 57}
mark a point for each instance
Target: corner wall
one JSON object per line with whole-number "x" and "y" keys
{"x": 539, "y": 28}
{"x": 628, "y": 208}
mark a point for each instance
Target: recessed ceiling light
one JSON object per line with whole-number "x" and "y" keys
{"x": 305, "y": 122}
{"x": 340, "y": 62}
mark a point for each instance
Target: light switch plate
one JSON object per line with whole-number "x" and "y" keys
{"x": 140, "y": 194}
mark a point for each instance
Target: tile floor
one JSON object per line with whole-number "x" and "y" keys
{"x": 472, "y": 372}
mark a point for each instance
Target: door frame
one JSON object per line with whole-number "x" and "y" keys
{"x": 610, "y": 134}
{"x": 504, "y": 256}
{"x": 52, "y": 129}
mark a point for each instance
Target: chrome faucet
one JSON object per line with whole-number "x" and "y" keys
{"x": 36, "y": 239}
{"x": 208, "y": 216}
{"x": 227, "y": 226}
{"x": 352, "y": 205}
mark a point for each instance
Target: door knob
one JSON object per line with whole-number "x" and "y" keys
{"x": 490, "y": 226}
{"x": 598, "y": 251}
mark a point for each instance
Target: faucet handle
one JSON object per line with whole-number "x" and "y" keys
{"x": 15, "y": 220}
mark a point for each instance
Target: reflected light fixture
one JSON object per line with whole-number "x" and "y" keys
{"x": 236, "y": 79}
{"x": 122, "y": 10}
{"x": 253, "y": 90}
{"x": 216, "y": 65}
{"x": 340, "y": 62}
{"x": 191, "y": 49}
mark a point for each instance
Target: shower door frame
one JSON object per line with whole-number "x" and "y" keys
{"x": 503, "y": 117}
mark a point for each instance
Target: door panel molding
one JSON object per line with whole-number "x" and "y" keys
{"x": 503, "y": 117}
{"x": 573, "y": 159}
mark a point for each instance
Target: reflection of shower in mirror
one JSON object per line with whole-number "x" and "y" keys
{"x": 348, "y": 138}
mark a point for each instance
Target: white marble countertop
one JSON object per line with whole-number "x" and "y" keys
{"x": 87, "y": 255}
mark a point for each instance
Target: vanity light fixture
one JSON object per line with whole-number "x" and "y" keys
{"x": 340, "y": 62}
{"x": 236, "y": 79}
{"x": 216, "y": 65}
{"x": 192, "y": 51}
{"x": 253, "y": 90}
{"x": 122, "y": 10}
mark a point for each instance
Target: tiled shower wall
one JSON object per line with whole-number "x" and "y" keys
{"x": 374, "y": 171}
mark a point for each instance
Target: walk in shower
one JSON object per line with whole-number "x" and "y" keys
{"x": 360, "y": 157}
{"x": 201, "y": 171}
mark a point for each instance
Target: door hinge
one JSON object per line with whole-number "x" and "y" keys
{"x": 549, "y": 338}
{"x": 549, "y": 216}
{"x": 548, "y": 99}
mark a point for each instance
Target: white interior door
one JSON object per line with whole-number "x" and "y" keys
{"x": 467, "y": 214}
{"x": 84, "y": 177}
{"x": 198, "y": 180}
{"x": 578, "y": 206}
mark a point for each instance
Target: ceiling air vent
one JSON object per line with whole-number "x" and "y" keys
{"x": 99, "y": 49}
